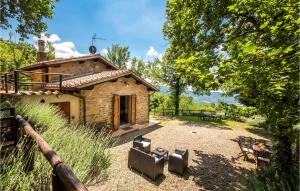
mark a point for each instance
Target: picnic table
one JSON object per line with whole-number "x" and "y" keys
{"x": 261, "y": 147}
{"x": 263, "y": 153}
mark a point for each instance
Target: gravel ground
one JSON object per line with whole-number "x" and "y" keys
{"x": 213, "y": 158}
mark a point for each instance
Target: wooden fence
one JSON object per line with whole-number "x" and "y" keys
{"x": 62, "y": 176}
{"x": 205, "y": 115}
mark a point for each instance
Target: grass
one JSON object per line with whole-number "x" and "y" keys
{"x": 85, "y": 152}
{"x": 227, "y": 123}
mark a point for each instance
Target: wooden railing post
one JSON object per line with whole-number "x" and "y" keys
{"x": 5, "y": 83}
{"x": 57, "y": 184}
{"x": 16, "y": 81}
{"x": 60, "y": 82}
{"x": 14, "y": 125}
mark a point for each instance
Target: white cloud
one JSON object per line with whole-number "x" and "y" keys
{"x": 160, "y": 57}
{"x": 62, "y": 49}
{"x": 152, "y": 52}
{"x": 65, "y": 50}
{"x": 104, "y": 51}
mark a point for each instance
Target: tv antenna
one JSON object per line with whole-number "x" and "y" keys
{"x": 93, "y": 48}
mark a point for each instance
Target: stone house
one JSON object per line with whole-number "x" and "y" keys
{"x": 96, "y": 91}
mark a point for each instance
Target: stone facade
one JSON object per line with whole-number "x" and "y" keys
{"x": 99, "y": 101}
{"x": 78, "y": 68}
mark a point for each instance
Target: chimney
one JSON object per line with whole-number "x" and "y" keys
{"x": 41, "y": 54}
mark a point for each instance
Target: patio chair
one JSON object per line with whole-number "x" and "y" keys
{"x": 178, "y": 161}
{"x": 142, "y": 143}
{"x": 145, "y": 163}
{"x": 246, "y": 148}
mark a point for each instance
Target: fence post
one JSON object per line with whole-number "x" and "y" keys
{"x": 5, "y": 83}
{"x": 16, "y": 81}
{"x": 57, "y": 184}
{"x": 14, "y": 125}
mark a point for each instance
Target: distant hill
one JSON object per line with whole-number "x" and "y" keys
{"x": 214, "y": 97}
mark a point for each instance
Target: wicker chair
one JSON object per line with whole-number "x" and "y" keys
{"x": 178, "y": 161}
{"x": 145, "y": 163}
{"x": 142, "y": 143}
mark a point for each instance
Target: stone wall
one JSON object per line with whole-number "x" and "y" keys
{"x": 99, "y": 101}
{"x": 77, "y": 68}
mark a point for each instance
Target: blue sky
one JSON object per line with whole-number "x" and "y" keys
{"x": 135, "y": 23}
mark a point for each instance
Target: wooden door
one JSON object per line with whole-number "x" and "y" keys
{"x": 64, "y": 108}
{"x": 133, "y": 109}
{"x": 116, "y": 113}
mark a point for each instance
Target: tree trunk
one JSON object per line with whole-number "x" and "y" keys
{"x": 283, "y": 159}
{"x": 177, "y": 93}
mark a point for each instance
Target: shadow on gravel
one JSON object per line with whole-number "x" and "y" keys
{"x": 215, "y": 172}
{"x": 157, "y": 182}
{"x": 129, "y": 137}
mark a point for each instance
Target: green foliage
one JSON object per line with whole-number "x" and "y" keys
{"x": 15, "y": 55}
{"x": 249, "y": 47}
{"x": 85, "y": 152}
{"x": 267, "y": 179}
{"x": 119, "y": 55}
{"x": 29, "y": 16}
{"x": 235, "y": 112}
{"x": 138, "y": 66}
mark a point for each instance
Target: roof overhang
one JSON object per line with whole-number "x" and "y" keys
{"x": 137, "y": 78}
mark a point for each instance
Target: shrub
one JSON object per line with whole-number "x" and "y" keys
{"x": 85, "y": 152}
{"x": 267, "y": 179}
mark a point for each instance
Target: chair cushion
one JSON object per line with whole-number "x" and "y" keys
{"x": 264, "y": 159}
{"x": 177, "y": 155}
{"x": 145, "y": 144}
{"x": 248, "y": 150}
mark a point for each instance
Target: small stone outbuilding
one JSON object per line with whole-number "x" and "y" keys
{"x": 94, "y": 91}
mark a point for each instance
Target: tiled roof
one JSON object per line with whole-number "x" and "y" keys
{"x": 48, "y": 92}
{"x": 92, "y": 79}
{"x": 67, "y": 60}
{"x": 105, "y": 75}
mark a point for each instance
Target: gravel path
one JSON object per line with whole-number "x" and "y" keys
{"x": 213, "y": 162}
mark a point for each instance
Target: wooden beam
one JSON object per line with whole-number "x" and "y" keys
{"x": 88, "y": 88}
{"x": 114, "y": 80}
{"x": 81, "y": 62}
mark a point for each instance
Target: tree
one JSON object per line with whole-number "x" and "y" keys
{"x": 165, "y": 72}
{"x": 253, "y": 47}
{"x": 16, "y": 55}
{"x": 119, "y": 55}
{"x": 28, "y": 16}
{"x": 138, "y": 67}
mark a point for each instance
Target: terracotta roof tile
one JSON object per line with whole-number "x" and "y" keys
{"x": 75, "y": 82}
{"x": 91, "y": 79}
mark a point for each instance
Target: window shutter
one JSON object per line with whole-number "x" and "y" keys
{"x": 133, "y": 109}
{"x": 116, "y": 113}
